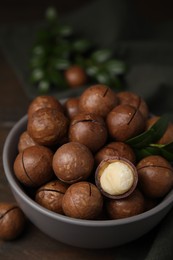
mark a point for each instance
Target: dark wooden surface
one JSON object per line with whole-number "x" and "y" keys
{"x": 33, "y": 244}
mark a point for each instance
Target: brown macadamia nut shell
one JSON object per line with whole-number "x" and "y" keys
{"x": 43, "y": 102}
{"x": 47, "y": 126}
{"x": 25, "y": 141}
{"x": 88, "y": 129}
{"x": 82, "y": 200}
{"x": 155, "y": 176}
{"x": 73, "y": 162}
{"x": 130, "y": 98}
{"x": 33, "y": 166}
{"x": 75, "y": 76}
{"x": 12, "y": 221}
{"x": 126, "y": 207}
{"x": 98, "y": 99}
{"x": 71, "y": 107}
{"x": 124, "y": 122}
{"x": 50, "y": 195}
{"x": 119, "y": 149}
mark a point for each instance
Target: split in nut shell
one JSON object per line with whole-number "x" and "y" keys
{"x": 75, "y": 158}
{"x": 12, "y": 221}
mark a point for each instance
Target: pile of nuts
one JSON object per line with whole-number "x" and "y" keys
{"x": 76, "y": 159}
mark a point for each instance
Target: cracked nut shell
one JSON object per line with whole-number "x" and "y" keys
{"x": 155, "y": 176}
{"x": 88, "y": 129}
{"x": 50, "y": 195}
{"x": 33, "y": 166}
{"x": 73, "y": 162}
{"x": 130, "y": 98}
{"x": 82, "y": 200}
{"x": 125, "y": 122}
{"x": 12, "y": 221}
{"x": 98, "y": 99}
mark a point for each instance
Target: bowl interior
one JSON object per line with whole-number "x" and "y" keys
{"x": 9, "y": 154}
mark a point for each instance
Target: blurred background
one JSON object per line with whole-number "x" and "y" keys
{"x": 30, "y": 10}
{"x": 139, "y": 32}
{"x": 154, "y": 13}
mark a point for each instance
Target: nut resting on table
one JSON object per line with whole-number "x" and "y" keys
{"x": 76, "y": 159}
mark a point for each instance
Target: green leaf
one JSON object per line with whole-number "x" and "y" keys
{"x": 92, "y": 70}
{"x": 61, "y": 64}
{"x": 38, "y": 50}
{"x": 147, "y": 151}
{"x": 116, "y": 83}
{"x": 51, "y": 14}
{"x": 37, "y": 75}
{"x": 37, "y": 62}
{"x": 169, "y": 146}
{"x": 43, "y": 36}
{"x": 167, "y": 154}
{"x": 43, "y": 87}
{"x": 167, "y": 151}
{"x": 150, "y": 136}
{"x": 61, "y": 50}
{"x": 115, "y": 67}
{"x": 101, "y": 55}
{"x": 79, "y": 60}
{"x": 57, "y": 79}
{"x": 81, "y": 45}
{"x": 156, "y": 149}
{"x": 65, "y": 30}
{"x": 103, "y": 77}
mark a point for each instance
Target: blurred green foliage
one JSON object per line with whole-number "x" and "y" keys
{"x": 56, "y": 48}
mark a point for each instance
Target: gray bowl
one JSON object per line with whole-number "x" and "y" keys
{"x": 76, "y": 232}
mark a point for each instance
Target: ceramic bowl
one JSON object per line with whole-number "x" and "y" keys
{"x": 77, "y": 232}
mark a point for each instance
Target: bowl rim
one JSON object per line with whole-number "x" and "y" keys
{"x": 166, "y": 202}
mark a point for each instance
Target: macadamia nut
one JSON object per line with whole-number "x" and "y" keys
{"x": 47, "y": 126}
{"x": 116, "y": 177}
{"x": 43, "y": 102}
{"x": 88, "y": 129}
{"x": 155, "y": 176}
{"x": 126, "y": 207}
{"x": 116, "y": 184}
{"x": 98, "y": 99}
{"x": 82, "y": 200}
{"x": 51, "y": 194}
{"x": 12, "y": 221}
{"x": 73, "y": 162}
{"x": 124, "y": 122}
{"x": 33, "y": 166}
